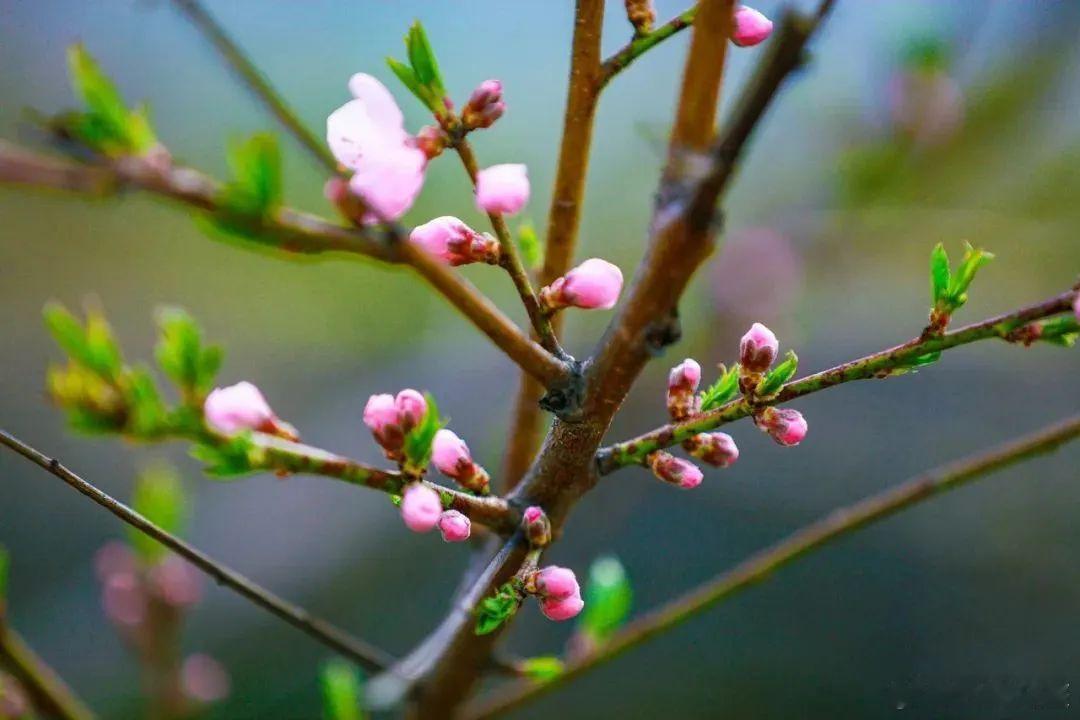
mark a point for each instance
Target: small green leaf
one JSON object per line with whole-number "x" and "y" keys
{"x": 543, "y": 668}
{"x": 68, "y": 332}
{"x": 529, "y": 243}
{"x": 1062, "y": 331}
{"x": 418, "y": 442}
{"x": 102, "y": 351}
{"x": 721, "y": 391}
{"x": 408, "y": 78}
{"x": 182, "y": 356}
{"x": 97, "y": 92}
{"x": 608, "y": 597}
{"x": 493, "y": 611}
{"x": 342, "y": 691}
{"x": 422, "y": 59}
{"x": 779, "y": 375}
{"x": 939, "y": 273}
{"x": 228, "y": 459}
{"x": 148, "y": 416}
{"x": 971, "y": 262}
{"x": 256, "y": 185}
{"x": 159, "y": 497}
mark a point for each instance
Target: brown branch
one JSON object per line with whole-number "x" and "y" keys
{"x": 759, "y": 566}
{"x": 363, "y": 654}
{"x": 48, "y": 691}
{"x": 291, "y": 231}
{"x": 878, "y": 365}
{"x": 256, "y": 81}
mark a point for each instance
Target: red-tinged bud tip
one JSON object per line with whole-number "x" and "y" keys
{"x": 758, "y": 349}
{"x": 537, "y": 526}
{"x": 787, "y": 427}
{"x": 717, "y": 449}
{"x": 454, "y": 526}
{"x": 751, "y": 27}
{"x": 675, "y": 471}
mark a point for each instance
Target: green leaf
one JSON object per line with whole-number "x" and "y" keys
{"x": 939, "y": 273}
{"x": 418, "y": 441}
{"x": 140, "y": 132}
{"x": 256, "y": 185}
{"x": 102, "y": 351}
{"x": 182, "y": 356}
{"x": 229, "y": 459}
{"x": 148, "y": 416}
{"x": 408, "y": 78}
{"x": 721, "y": 391}
{"x": 543, "y": 668}
{"x": 779, "y": 375}
{"x": 68, "y": 332}
{"x": 422, "y": 59}
{"x": 529, "y": 244}
{"x": 97, "y": 92}
{"x": 495, "y": 610}
{"x": 342, "y": 691}
{"x": 971, "y": 262}
{"x": 159, "y": 496}
{"x": 1062, "y": 331}
{"x": 608, "y": 597}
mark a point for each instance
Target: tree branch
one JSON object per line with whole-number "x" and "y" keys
{"x": 356, "y": 650}
{"x": 878, "y": 365}
{"x": 48, "y": 691}
{"x": 291, "y": 231}
{"x": 257, "y": 82}
{"x": 643, "y": 43}
{"x": 759, "y": 566}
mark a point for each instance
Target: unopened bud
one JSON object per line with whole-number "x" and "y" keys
{"x": 421, "y": 508}
{"x": 683, "y": 380}
{"x": 787, "y": 427}
{"x": 485, "y": 106}
{"x": 454, "y": 526}
{"x": 454, "y": 242}
{"x": 451, "y": 456}
{"x": 717, "y": 449}
{"x": 241, "y": 407}
{"x": 641, "y": 15}
{"x": 751, "y": 27}
{"x": 758, "y": 349}
{"x": 537, "y": 526}
{"x": 593, "y": 284}
{"x": 675, "y": 471}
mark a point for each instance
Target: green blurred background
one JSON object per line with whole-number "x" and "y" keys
{"x": 916, "y": 122}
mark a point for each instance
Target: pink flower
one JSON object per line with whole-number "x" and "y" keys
{"x": 124, "y": 600}
{"x": 242, "y": 407}
{"x": 114, "y": 558}
{"x": 454, "y": 526}
{"x": 683, "y": 382}
{"x": 563, "y": 609}
{"x": 411, "y": 408}
{"x": 675, "y": 471}
{"x": 485, "y": 105}
{"x": 204, "y": 679}
{"x": 367, "y": 135}
{"x": 717, "y": 449}
{"x": 390, "y": 418}
{"x": 176, "y": 582}
{"x": 420, "y": 508}
{"x": 454, "y": 242}
{"x": 451, "y": 456}
{"x": 593, "y": 284}
{"x": 532, "y": 514}
{"x": 758, "y": 349}
{"x": 502, "y": 189}
{"x": 787, "y": 427}
{"x": 555, "y": 583}
{"x": 751, "y": 27}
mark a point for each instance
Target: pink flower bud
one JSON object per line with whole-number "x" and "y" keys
{"x": 593, "y": 284}
{"x": 204, "y": 679}
{"x": 682, "y": 385}
{"x": 758, "y": 349}
{"x": 454, "y": 242}
{"x": 675, "y": 471}
{"x": 537, "y": 526}
{"x": 785, "y": 426}
{"x": 454, "y": 526}
{"x": 717, "y": 449}
{"x": 114, "y": 558}
{"x": 381, "y": 417}
{"x": 411, "y": 408}
{"x": 751, "y": 27}
{"x": 176, "y": 582}
{"x": 562, "y": 609}
{"x": 420, "y": 508}
{"x": 485, "y": 105}
{"x": 553, "y": 583}
{"x": 451, "y": 456}
{"x": 124, "y": 600}
{"x": 502, "y": 189}
{"x": 242, "y": 407}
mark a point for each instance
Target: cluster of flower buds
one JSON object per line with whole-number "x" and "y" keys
{"x": 484, "y": 107}
{"x": 452, "y": 457}
{"x": 758, "y": 349}
{"x": 146, "y": 601}
{"x": 454, "y": 242}
{"x": 537, "y": 526}
{"x": 502, "y": 189}
{"x": 240, "y": 407}
{"x": 751, "y": 27}
{"x": 716, "y": 448}
{"x": 683, "y": 381}
{"x": 557, "y": 590}
{"x": 391, "y": 418}
{"x": 674, "y": 470}
{"x": 594, "y": 284}
{"x": 641, "y": 14}
{"x": 422, "y": 511}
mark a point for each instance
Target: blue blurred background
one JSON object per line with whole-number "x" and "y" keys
{"x": 915, "y": 122}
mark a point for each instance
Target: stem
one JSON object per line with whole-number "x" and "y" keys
{"x": 256, "y": 81}
{"x": 365, "y": 655}
{"x": 759, "y": 566}
{"x": 643, "y": 43}
{"x": 878, "y": 365}
{"x": 50, "y": 694}
{"x": 291, "y": 231}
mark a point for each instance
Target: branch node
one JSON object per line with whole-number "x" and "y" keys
{"x": 662, "y": 332}
{"x": 563, "y": 399}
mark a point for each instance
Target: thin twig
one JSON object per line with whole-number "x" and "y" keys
{"x": 643, "y": 43}
{"x": 50, "y": 694}
{"x": 759, "y": 566}
{"x": 256, "y": 81}
{"x": 291, "y": 231}
{"x": 362, "y": 653}
{"x": 878, "y": 365}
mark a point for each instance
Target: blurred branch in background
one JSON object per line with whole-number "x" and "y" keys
{"x": 47, "y": 691}
{"x": 357, "y": 650}
{"x": 836, "y": 524}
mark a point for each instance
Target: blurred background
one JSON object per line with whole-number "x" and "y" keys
{"x": 915, "y": 122}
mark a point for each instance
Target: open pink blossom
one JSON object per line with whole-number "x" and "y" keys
{"x": 420, "y": 508}
{"x": 454, "y": 242}
{"x": 787, "y": 427}
{"x": 451, "y": 456}
{"x": 758, "y": 349}
{"x": 502, "y": 188}
{"x": 563, "y": 608}
{"x": 674, "y": 470}
{"x": 242, "y": 407}
{"x": 367, "y": 135}
{"x": 751, "y": 27}
{"x": 454, "y": 526}
{"x": 594, "y": 284}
